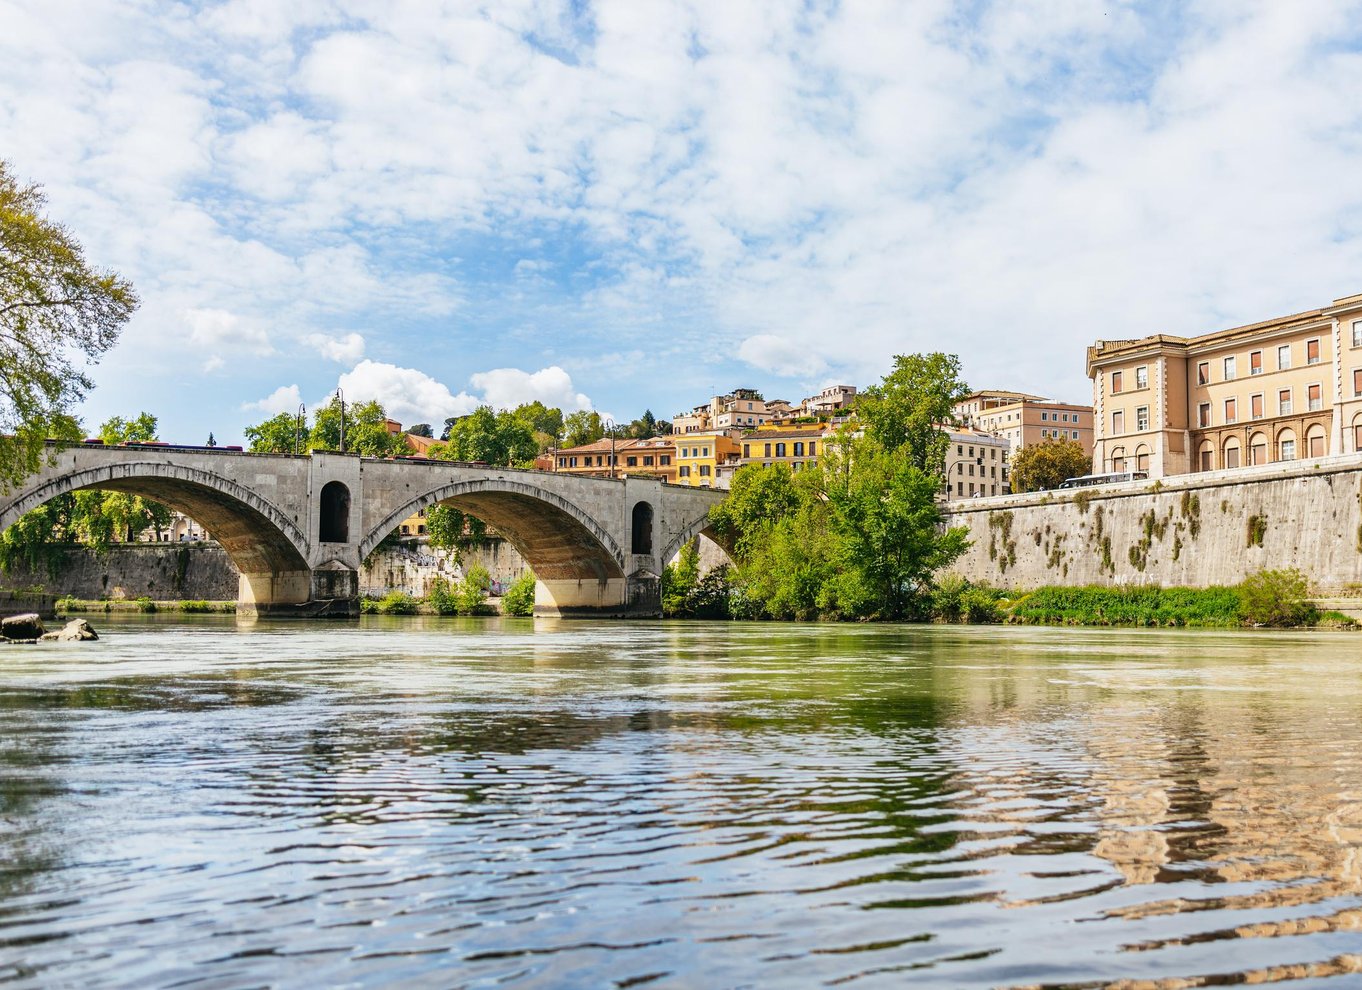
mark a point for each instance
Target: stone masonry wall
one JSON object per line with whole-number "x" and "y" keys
{"x": 163, "y": 571}
{"x": 412, "y": 569}
{"x": 1193, "y": 530}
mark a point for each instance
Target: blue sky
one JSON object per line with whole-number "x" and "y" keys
{"x": 628, "y": 205}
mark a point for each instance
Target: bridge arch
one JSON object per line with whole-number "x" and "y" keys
{"x": 700, "y": 527}
{"x": 256, "y": 535}
{"x": 557, "y": 539}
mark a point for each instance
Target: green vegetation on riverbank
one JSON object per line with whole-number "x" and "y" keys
{"x": 69, "y": 605}
{"x": 466, "y": 597}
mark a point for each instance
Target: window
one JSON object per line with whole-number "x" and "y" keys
{"x": 631, "y": 462}
{"x": 746, "y": 451}
{"x": 1232, "y": 454}
{"x": 1230, "y": 373}
{"x": 1357, "y": 333}
{"x": 664, "y": 459}
{"x": 1203, "y": 373}
{"x": 1257, "y": 449}
{"x": 799, "y": 448}
{"x": 768, "y": 450}
{"x": 1142, "y": 377}
{"x": 704, "y": 470}
{"x": 1314, "y": 397}
{"x": 960, "y": 488}
{"x": 780, "y": 450}
{"x": 1044, "y": 416}
{"x": 1075, "y": 435}
{"x": 683, "y": 471}
{"x": 1141, "y": 418}
{"x": 1314, "y": 442}
{"x": 647, "y": 460}
{"x": 1231, "y": 411}
{"x": 1203, "y": 414}
{"x": 1312, "y": 351}
{"x": 704, "y": 451}
{"x": 1357, "y": 381}
{"x": 1284, "y": 402}
{"x": 1256, "y": 406}
{"x": 812, "y": 444}
{"x": 1207, "y": 456}
{"x": 1284, "y": 357}
{"x": 1116, "y": 375}
{"x": 1287, "y": 450}
{"x": 1118, "y": 460}
{"x": 1118, "y": 422}
{"x": 959, "y": 450}
{"x": 1141, "y": 458}
{"x": 959, "y": 467}
{"x": 1256, "y": 363}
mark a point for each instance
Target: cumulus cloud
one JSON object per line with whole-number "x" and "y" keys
{"x": 779, "y": 356}
{"x": 506, "y": 388}
{"x": 285, "y": 398}
{"x": 346, "y": 350}
{"x": 217, "y": 329}
{"x": 408, "y": 395}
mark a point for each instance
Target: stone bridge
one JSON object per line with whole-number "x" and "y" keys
{"x": 297, "y": 527}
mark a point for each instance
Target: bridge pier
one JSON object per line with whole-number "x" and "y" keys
{"x": 636, "y": 597}
{"x": 327, "y": 592}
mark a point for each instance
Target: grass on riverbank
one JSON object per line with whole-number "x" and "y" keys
{"x": 69, "y": 605}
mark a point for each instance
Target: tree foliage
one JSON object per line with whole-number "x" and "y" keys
{"x": 500, "y": 438}
{"x": 57, "y": 314}
{"x": 582, "y": 427}
{"x": 278, "y": 435}
{"x": 903, "y": 414}
{"x": 1041, "y": 466}
{"x": 366, "y": 429}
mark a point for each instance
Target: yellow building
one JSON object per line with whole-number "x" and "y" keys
{"x": 1280, "y": 390}
{"x": 699, "y": 456}
{"x": 798, "y": 446}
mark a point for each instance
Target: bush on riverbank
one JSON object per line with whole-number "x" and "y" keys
{"x": 1145, "y": 605}
{"x": 518, "y": 599}
{"x": 69, "y": 604}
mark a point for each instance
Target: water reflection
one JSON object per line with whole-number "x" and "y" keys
{"x": 476, "y": 803}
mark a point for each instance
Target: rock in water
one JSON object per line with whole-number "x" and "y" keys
{"x": 75, "y": 631}
{"x": 27, "y": 626}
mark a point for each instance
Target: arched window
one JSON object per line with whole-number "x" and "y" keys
{"x": 1316, "y": 441}
{"x": 1258, "y": 449}
{"x": 1142, "y": 458}
{"x": 1206, "y": 456}
{"x": 1118, "y": 459}
{"x": 1231, "y": 453}
{"x": 1286, "y": 445}
{"x": 643, "y": 528}
{"x": 335, "y": 521}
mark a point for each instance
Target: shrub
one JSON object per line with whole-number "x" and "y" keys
{"x": 980, "y": 604}
{"x": 1146, "y": 605}
{"x": 1276, "y": 598}
{"x": 519, "y": 597}
{"x": 197, "y": 605}
{"x": 948, "y": 597}
{"x": 443, "y": 599}
{"x": 397, "y": 603}
{"x": 69, "y": 603}
{"x": 145, "y": 604}
{"x": 368, "y": 606}
{"x": 473, "y": 590}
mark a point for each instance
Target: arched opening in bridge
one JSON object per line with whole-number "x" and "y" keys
{"x": 642, "y": 541}
{"x": 335, "y": 521}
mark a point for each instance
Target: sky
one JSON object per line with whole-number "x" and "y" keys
{"x": 638, "y": 204}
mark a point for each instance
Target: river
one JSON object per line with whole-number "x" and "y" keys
{"x": 197, "y": 802}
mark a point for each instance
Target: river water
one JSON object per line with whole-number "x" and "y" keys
{"x": 194, "y": 802}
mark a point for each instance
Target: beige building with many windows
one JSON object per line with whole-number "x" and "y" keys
{"x": 976, "y": 464}
{"x": 1024, "y": 419}
{"x": 1280, "y": 390}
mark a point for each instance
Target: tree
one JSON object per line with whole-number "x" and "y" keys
{"x": 116, "y": 429}
{"x": 421, "y": 430}
{"x": 582, "y": 427}
{"x": 56, "y": 314}
{"x": 277, "y": 435}
{"x": 211, "y": 442}
{"x": 101, "y": 517}
{"x": 905, "y": 412}
{"x": 645, "y": 427}
{"x": 540, "y": 418}
{"x": 366, "y": 430}
{"x": 1040, "y": 466}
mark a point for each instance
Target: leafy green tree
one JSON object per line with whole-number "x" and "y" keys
{"x": 904, "y": 413}
{"x": 546, "y": 422}
{"x": 421, "y": 430}
{"x": 1041, "y": 466}
{"x": 366, "y": 430}
{"x": 503, "y": 439}
{"x": 582, "y": 427}
{"x": 518, "y": 599}
{"x": 57, "y": 315}
{"x": 449, "y": 529}
{"x": 140, "y": 429}
{"x": 277, "y": 435}
{"x": 105, "y": 517}
{"x": 680, "y": 579}
{"x": 37, "y": 540}
{"x": 760, "y": 496}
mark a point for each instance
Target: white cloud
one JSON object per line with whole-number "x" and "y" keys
{"x": 506, "y": 388}
{"x": 286, "y": 398}
{"x": 408, "y": 395}
{"x": 217, "y": 329}
{"x": 346, "y": 350}
{"x": 779, "y": 356}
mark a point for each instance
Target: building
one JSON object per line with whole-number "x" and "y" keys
{"x": 655, "y": 457}
{"x": 831, "y": 400}
{"x": 798, "y": 446}
{"x": 976, "y": 464}
{"x": 741, "y": 409}
{"x": 1280, "y": 390}
{"x": 699, "y": 455}
{"x": 1024, "y": 419}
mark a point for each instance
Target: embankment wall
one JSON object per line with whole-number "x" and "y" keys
{"x": 1190, "y": 530}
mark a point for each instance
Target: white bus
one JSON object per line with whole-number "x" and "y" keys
{"x": 1088, "y": 480}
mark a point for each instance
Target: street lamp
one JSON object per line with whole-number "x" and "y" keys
{"x": 340, "y": 397}
{"x": 610, "y": 428}
{"x": 298, "y": 427}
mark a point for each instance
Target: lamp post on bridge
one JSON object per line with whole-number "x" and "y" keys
{"x": 610, "y": 429}
{"x": 340, "y": 397}
{"x": 298, "y": 428}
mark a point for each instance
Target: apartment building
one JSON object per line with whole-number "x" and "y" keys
{"x": 655, "y": 457}
{"x": 798, "y": 446}
{"x": 1279, "y": 390}
{"x": 1024, "y": 419}
{"x": 976, "y": 464}
{"x": 699, "y": 456}
{"x": 833, "y": 399}
{"x": 741, "y": 409}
